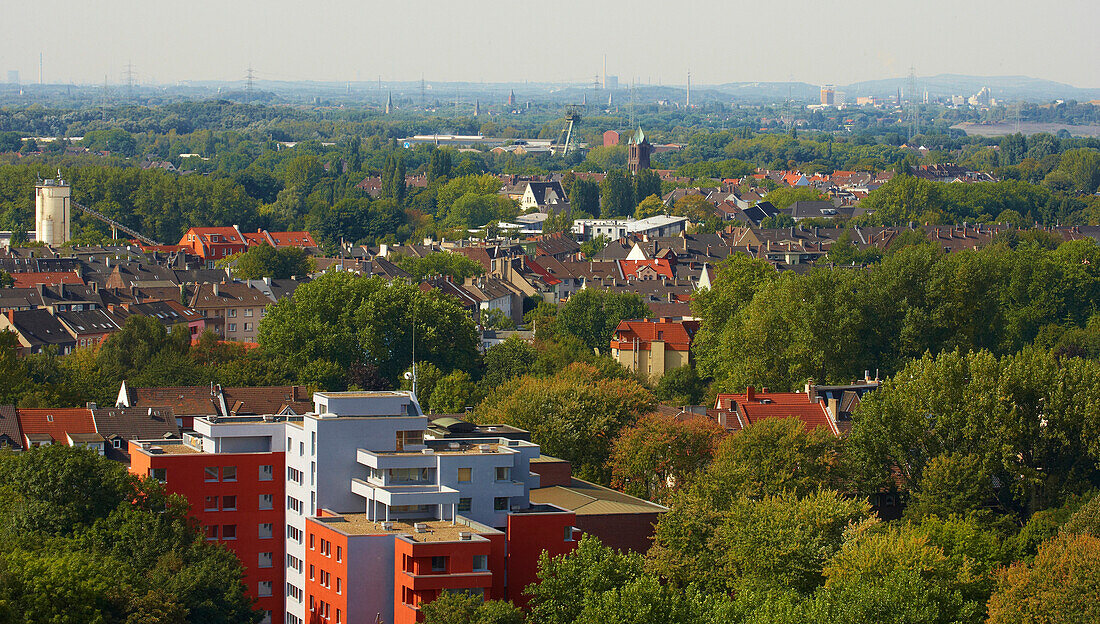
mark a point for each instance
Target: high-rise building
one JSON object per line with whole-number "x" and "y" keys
{"x": 828, "y": 95}
{"x": 354, "y": 512}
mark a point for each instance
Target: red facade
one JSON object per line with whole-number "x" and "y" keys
{"x": 238, "y": 498}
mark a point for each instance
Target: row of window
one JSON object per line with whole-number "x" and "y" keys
{"x": 440, "y": 563}
{"x": 233, "y": 327}
{"x": 321, "y": 608}
{"x": 324, "y": 547}
{"x": 325, "y": 579}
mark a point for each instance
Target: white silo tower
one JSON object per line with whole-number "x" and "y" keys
{"x": 51, "y": 211}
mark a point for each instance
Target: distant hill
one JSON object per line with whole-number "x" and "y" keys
{"x": 1008, "y": 88}
{"x": 770, "y": 91}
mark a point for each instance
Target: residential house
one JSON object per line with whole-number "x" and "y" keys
{"x": 232, "y": 309}
{"x": 653, "y": 346}
{"x": 36, "y": 330}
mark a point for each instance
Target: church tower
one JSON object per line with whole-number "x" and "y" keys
{"x": 638, "y": 151}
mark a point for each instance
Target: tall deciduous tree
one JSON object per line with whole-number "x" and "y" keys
{"x": 592, "y": 315}
{"x": 659, "y": 454}
{"x": 616, "y": 195}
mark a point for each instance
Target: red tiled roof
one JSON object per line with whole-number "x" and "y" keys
{"x": 292, "y": 239}
{"x": 742, "y": 410}
{"x": 630, "y": 267}
{"x": 52, "y": 278}
{"x": 56, "y": 423}
{"x": 676, "y": 335}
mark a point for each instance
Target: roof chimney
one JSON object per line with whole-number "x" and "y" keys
{"x": 750, "y": 393}
{"x": 215, "y": 285}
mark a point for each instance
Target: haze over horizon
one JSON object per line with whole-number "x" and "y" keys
{"x": 845, "y": 42}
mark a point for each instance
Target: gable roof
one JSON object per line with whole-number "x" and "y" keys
{"x": 133, "y": 424}
{"x": 57, "y": 423}
{"x": 29, "y": 280}
{"x": 742, "y": 410}
{"x": 676, "y": 335}
{"x": 10, "y": 434}
{"x": 213, "y": 399}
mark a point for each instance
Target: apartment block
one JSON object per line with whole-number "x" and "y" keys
{"x": 355, "y": 511}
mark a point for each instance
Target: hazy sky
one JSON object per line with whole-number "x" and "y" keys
{"x": 839, "y": 42}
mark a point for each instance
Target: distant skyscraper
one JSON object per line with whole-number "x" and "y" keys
{"x": 13, "y": 76}
{"x": 511, "y": 98}
{"x": 828, "y": 95}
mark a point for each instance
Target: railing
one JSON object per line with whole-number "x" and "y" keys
{"x": 115, "y": 224}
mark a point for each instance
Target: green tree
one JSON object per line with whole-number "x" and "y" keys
{"x": 681, "y": 386}
{"x": 455, "y": 265}
{"x": 453, "y": 393}
{"x": 648, "y": 207}
{"x": 782, "y": 198}
{"x": 575, "y": 414}
{"x": 342, "y": 318}
{"x": 585, "y": 197}
{"x": 451, "y": 607}
{"x": 616, "y": 195}
{"x": 645, "y": 600}
{"x": 592, "y": 315}
{"x": 646, "y": 183}
{"x": 506, "y": 361}
{"x": 266, "y": 261}
{"x": 568, "y": 582}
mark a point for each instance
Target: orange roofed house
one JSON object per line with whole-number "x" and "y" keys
{"x": 653, "y": 346}
{"x": 830, "y": 407}
{"x": 214, "y": 243}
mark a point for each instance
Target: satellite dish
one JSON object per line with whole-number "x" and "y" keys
{"x": 408, "y": 375}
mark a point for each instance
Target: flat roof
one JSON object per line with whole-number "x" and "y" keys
{"x": 438, "y": 530}
{"x": 363, "y": 394}
{"x": 588, "y": 499}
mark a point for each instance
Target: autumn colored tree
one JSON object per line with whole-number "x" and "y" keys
{"x": 1062, "y": 584}
{"x": 660, "y": 453}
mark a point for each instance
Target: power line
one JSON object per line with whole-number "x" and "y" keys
{"x": 128, "y": 73}
{"x": 249, "y": 76}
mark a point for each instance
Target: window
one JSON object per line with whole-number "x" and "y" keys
{"x": 311, "y": 541}
{"x": 211, "y": 504}
{"x": 266, "y": 501}
{"x": 481, "y": 562}
{"x": 339, "y": 553}
{"x": 232, "y": 313}
{"x": 248, "y": 326}
{"x": 264, "y": 589}
{"x": 229, "y": 503}
{"x": 408, "y": 474}
{"x": 312, "y": 473}
{"x": 338, "y": 621}
{"x": 464, "y": 475}
{"x": 568, "y": 534}
{"x": 267, "y": 617}
{"x": 233, "y": 327}
{"x": 229, "y": 531}
{"x": 504, "y": 473}
{"x": 265, "y": 560}
{"x": 301, "y": 453}
{"x": 439, "y": 564}
{"x": 267, "y": 530}
{"x": 294, "y": 533}
{"x": 294, "y": 563}
{"x": 500, "y": 503}
{"x": 294, "y": 475}
{"x": 229, "y": 473}
{"x": 212, "y": 532}
{"x": 267, "y": 473}
{"x": 339, "y": 586}
{"x": 160, "y": 474}
{"x": 211, "y": 473}
{"x": 464, "y": 504}
{"x": 117, "y": 442}
{"x": 311, "y": 572}
{"x": 248, "y": 312}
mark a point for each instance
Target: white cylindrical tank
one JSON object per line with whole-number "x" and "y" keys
{"x": 51, "y": 211}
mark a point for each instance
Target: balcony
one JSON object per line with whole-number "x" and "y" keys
{"x": 401, "y": 495}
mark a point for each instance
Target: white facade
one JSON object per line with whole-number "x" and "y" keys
{"x": 51, "y": 211}
{"x": 614, "y": 229}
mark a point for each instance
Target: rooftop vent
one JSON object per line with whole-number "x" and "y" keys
{"x": 454, "y": 445}
{"x": 485, "y": 448}
{"x": 465, "y": 536}
{"x": 421, "y": 527}
{"x": 387, "y": 526}
{"x": 427, "y": 451}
